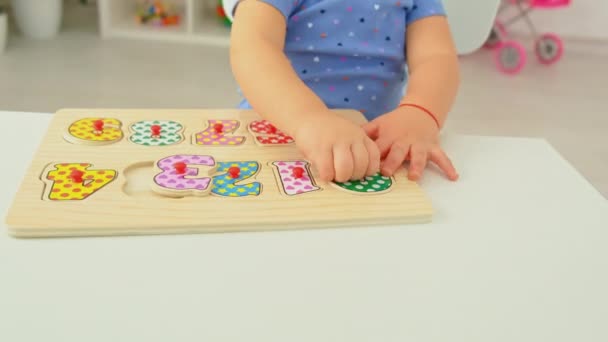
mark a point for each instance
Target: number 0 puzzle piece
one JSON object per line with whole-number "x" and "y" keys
{"x": 375, "y": 184}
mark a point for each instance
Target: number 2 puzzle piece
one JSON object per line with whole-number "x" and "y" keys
{"x": 225, "y": 184}
{"x": 75, "y": 181}
{"x": 184, "y": 175}
{"x": 156, "y": 133}
{"x": 266, "y": 134}
{"x": 295, "y": 177}
{"x": 219, "y": 133}
{"x": 375, "y": 184}
{"x": 94, "y": 131}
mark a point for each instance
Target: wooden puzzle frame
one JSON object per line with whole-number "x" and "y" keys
{"x": 126, "y": 206}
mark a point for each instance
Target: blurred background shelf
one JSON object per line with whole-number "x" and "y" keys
{"x": 199, "y": 22}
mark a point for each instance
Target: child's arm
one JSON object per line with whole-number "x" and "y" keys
{"x": 433, "y": 65}
{"x": 263, "y": 71}
{"x": 339, "y": 149}
{"x": 409, "y": 132}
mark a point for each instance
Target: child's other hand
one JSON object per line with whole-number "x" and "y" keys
{"x": 337, "y": 147}
{"x": 408, "y": 133}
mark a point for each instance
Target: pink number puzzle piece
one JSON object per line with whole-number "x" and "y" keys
{"x": 171, "y": 182}
{"x": 219, "y": 133}
{"x": 295, "y": 183}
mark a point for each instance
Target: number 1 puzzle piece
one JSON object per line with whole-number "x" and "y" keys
{"x": 75, "y": 181}
{"x": 294, "y": 177}
{"x": 184, "y": 175}
{"x": 266, "y": 134}
{"x": 94, "y": 131}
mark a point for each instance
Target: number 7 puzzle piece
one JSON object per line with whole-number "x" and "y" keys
{"x": 219, "y": 133}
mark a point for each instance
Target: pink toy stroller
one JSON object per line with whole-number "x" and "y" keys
{"x": 510, "y": 56}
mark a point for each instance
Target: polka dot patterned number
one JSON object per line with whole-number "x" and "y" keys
{"x": 75, "y": 181}
{"x": 370, "y": 185}
{"x": 94, "y": 131}
{"x": 219, "y": 133}
{"x": 266, "y": 134}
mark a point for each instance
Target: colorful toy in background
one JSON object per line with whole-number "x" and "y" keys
{"x": 228, "y": 7}
{"x": 157, "y": 13}
{"x": 510, "y": 56}
{"x": 222, "y": 14}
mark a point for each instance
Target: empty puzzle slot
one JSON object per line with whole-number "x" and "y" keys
{"x": 138, "y": 177}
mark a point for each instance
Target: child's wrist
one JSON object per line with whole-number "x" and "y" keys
{"x": 307, "y": 117}
{"x": 409, "y": 106}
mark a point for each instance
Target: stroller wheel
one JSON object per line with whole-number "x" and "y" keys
{"x": 510, "y": 57}
{"x": 497, "y": 33}
{"x": 549, "y": 48}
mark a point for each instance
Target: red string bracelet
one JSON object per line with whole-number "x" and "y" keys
{"x": 422, "y": 109}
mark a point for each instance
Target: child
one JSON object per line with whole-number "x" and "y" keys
{"x": 297, "y": 59}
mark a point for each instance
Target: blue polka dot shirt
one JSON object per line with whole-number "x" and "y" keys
{"x": 352, "y": 53}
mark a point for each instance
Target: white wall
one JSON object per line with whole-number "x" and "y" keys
{"x": 585, "y": 19}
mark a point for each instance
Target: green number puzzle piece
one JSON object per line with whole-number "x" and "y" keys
{"x": 371, "y": 184}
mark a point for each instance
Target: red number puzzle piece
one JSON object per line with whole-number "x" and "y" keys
{"x": 266, "y": 134}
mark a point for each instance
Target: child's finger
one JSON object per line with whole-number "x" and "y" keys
{"x": 384, "y": 146}
{"x": 324, "y": 162}
{"x": 395, "y": 157}
{"x": 439, "y": 157}
{"x": 371, "y": 129}
{"x": 374, "y": 158}
{"x": 418, "y": 158}
{"x": 360, "y": 160}
{"x": 343, "y": 163}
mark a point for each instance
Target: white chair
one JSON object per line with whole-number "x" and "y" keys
{"x": 471, "y": 22}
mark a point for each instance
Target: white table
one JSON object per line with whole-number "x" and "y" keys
{"x": 518, "y": 251}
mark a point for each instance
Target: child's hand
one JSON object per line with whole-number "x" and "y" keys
{"x": 337, "y": 147}
{"x": 409, "y": 134}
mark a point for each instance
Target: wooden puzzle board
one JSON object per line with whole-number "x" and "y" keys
{"x": 126, "y": 205}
